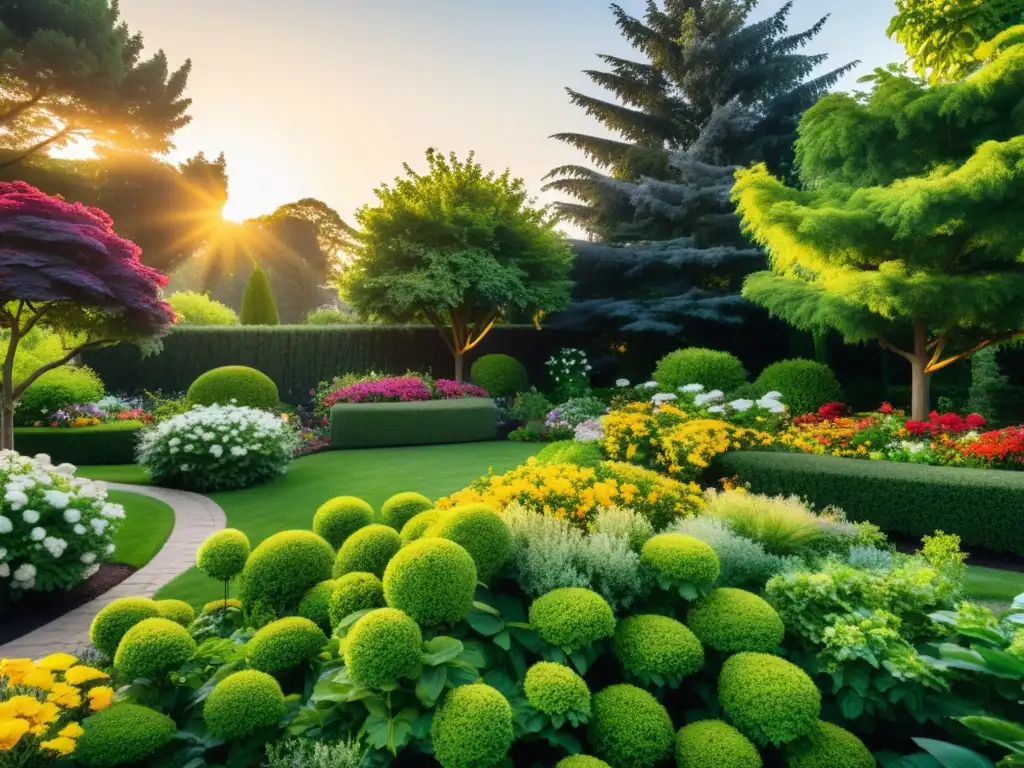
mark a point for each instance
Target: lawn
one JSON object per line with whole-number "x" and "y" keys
{"x": 146, "y": 526}
{"x": 990, "y": 585}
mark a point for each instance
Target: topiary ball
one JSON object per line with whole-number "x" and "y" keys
{"x": 152, "y": 648}
{"x": 177, "y": 611}
{"x": 223, "y": 555}
{"x": 383, "y": 646}
{"x": 124, "y": 734}
{"x": 677, "y": 557}
{"x": 714, "y": 744}
{"x": 368, "y": 550}
{"x": 282, "y": 569}
{"x": 572, "y": 618}
{"x": 629, "y": 728}
{"x": 417, "y": 526}
{"x": 806, "y": 385}
{"x": 285, "y": 644}
{"x": 500, "y": 375}
{"x": 733, "y": 620}
{"x": 355, "y": 592}
{"x": 554, "y": 689}
{"x": 581, "y": 761}
{"x": 829, "y": 746}
{"x": 403, "y": 507}
{"x": 235, "y": 384}
{"x": 116, "y": 618}
{"x": 316, "y": 604}
{"x": 432, "y": 580}
{"x": 657, "y": 647}
{"x": 219, "y": 605}
{"x": 767, "y": 698}
{"x": 339, "y": 518}
{"x": 473, "y": 727}
{"x": 243, "y": 703}
{"x": 479, "y": 530}
{"x": 713, "y": 369}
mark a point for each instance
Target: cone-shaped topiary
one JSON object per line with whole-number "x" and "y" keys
{"x": 581, "y": 761}
{"x": 383, "y": 646}
{"x": 770, "y": 700}
{"x": 733, "y": 620}
{"x": 116, "y": 618}
{"x": 417, "y": 526}
{"x": 479, "y": 530}
{"x": 368, "y": 550}
{"x": 258, "y": 305}
{"x": 657, "y": 648}
{"x": 714, "y": 744}
{"x": 433, "y": 580}
{"x": 177, "y": 611}
{"x": 125, "y": 734}
{"x": 403, "y": 507}
{"x": 629, "y": 728}
{"x": 243, "y": 703}
{"x": 285, "y": 644}
{"x": 829, "y": 746}
{"x": 473, "y": 727}
{"x": 316, "y": 604}
{"x": 355, "y": 592}
{"x": 282, "y": 569}
{"x": 680, "y": 558}
{"x": 340, "y": 517}
{"x": 152, "y": 648}
{"x": 554, "y": 689}
{"x": 222, "y": 556}
{"x": 239, "y": 384}
{"x": 500, "y": 375}
{"x": 572, "y": 618}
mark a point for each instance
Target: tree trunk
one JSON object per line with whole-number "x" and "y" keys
{"x": 460, "y": 357}
{"x": 919, "y": 379}
{"x": 7, "y": 424}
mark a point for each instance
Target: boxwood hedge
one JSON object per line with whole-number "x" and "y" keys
{"x": 430, "y": 422}
{"x": 105, "y": 444}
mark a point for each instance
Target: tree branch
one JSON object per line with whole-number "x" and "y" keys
{"x": 441, "y": 328}
{"x": 67, "y": 358}
{"x": 488, "y": 321}
{"x": 63, "y": 133}
{"x": 884, "y": 343}
{"x": 940, "y": 345}
{"x": 932, "y": 368}
{"x": 20, "y": 107}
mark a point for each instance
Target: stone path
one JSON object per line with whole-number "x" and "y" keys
{"x": 195, "y": 518}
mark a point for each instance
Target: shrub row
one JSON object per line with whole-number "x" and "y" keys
{"x": 375, "y": 425}
{"x": 104, "y": 444}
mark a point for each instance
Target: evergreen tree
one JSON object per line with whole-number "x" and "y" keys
{"x": 258, "y": 306}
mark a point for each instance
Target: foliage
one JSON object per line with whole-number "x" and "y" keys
{"x": 629, "y": 728}
{"x": 712, "y": 743}
{"x": 681, "y": 562}
{"x": 194, "y": 308}
{"x": 355, "y": 592}
{"x": 223, "y": 555}
{"x": 235, "y": 385}
{"x": 381, "y": 647}
{"x": 243, "y": 703}
{"x": 829, "y": 746}
{"x": 116, "y": 618}
{"x": 500, "y": 375}
{"x": 112, "y": 443}
{"x": 285, "y": 644}
{"x": 432, "y": 580}
{"x": 479, "y": 530}
{"x": 418, "y": 525}
{"x": 989, "y": 387}
{"x": 337, "y": 519}
{"x": 258, "y": 305}
{"x": 307, "y": 753}
{"x": 572, "y": 618}
{"x": 269, "y": 580}
{"x": 368, "y": 550}
{"x": 570, "y": 372}
{"x": 767, "y": 698}
{"x": 434, "y": 422}
{"x": 56, "y": 391}
{"x": 555, "y": 689}
{"x": 732, "y": 620}
{"x": 472, "y": 727}
{"x": 657, "y": 649}
{"x": 177, "y": 611}
{"x": 122, "y": 735}
{"x": 531, "y": 406}
{"x": 808, "y": 384}
{"x": 330, "y": 316}
{"x": 576, "y": 411}
{"x": 743, "y": 563}
{"x": 402, "y": 507}
{"x": 708, "y": 367}
{"x": 152, "y": 648}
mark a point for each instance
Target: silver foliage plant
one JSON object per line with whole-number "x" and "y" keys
{"x": 306, "y": 753}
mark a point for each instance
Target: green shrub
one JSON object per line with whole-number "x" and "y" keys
{"x": 177, "y": 611}
{"x": 224, "y": 554}
{"x": 316, "y": 604}
{"x": 732, "y": 620}
{"x": 123, "y": 735}
{"x": 586, "y": 454}
{"x": 743, "y": 562}
{"x": 403, "y": 507}
{"x": 767, "y": 698}
{"x": 581, "y": 761}
{"x": 629, "y": 728}
{"x": 657, "y": 648}
{"x": 572, "y": 618}
{"x": 624, "y": 523}
{"x": 782, "y": 525}
{"x": 713, "y": 369}
{"x": 432, "y": 580}
{"x": 554, "y": 689}
{"x": 355, "y": 592}
{"x": 242, "y": 704}
{"x": 479, "y": 530}
{"x": 152, "y": 648}
{"x": 330, "y": 316}
{"x": 473, "y": 727}
{"x": 500, "y": 375}
{"x": 417, "y": 526}
{"x": 285, "y": 644}
{"x": 829, "y": 746}
{"x": 714, "y": 744}
{"x": 428, "y": 422}
{"x": 258, "y": 305}
{"x": 678, "y": 558}
{"x": 194, "y": 308}
{"x": 340, "y": 517}
{"x": 306, "y": 752}
{"x": 116, "y": 618}
{"x": 805, "y": 384}
{"x": 107, "y": 444}
{"x": 245, "y": 386}
{"x": 282, "y": 569}
{"x": 383, "y": 646}
{"x": 56, "y": 390}
{"x": 368, "y": 550}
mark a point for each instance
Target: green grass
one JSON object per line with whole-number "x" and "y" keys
{"x": 989, "y": 585}
{"x": 145, "y": 528}
{"x": 132, "y": 474}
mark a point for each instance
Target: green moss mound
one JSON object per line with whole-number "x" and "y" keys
{"x": 282, "y": 569}
{"x": 713, "y": 369}
{"x": 417, "y": 526}
{"x": 383, "y": 646}
{"x": 285, "y": 644}
{"x": 500, "y": 375}
{"x": 770, "y": 700}
{"x": 116, "y": 618}
{"x": 572, "y": 617}
{"x": 733, "y": 620}
{"x": 316, "y": 604}
{"x": 581, "y": 761}
{"x": 629, "y": 728}
{"x": 657, "y": 648}
{"x": 125, "y": 734}
{"x": 829, "y": 746}
{"x": 152, "y": 648}
{"x": 554, "y": 689}
{"x": 680, "y": 558}
{"x": 235, "y": 384}
{"x": 403, "y": 507}
{"x": 586, "y": 454}
{"x": 473, "y": 727}
{"x": 368, "y": 550}
{"x": 479, "y": 530}
{"x": 242, "y": 704}
{"x": 432, "y": 580}
{"x": 714, "y": 744}
{"x": 177, "y": 611}
{"x": 223, "y": 555}
{"x": 355, "y": 592}
{"x": 340, "y": 517}
{"x": 805, "y": 385}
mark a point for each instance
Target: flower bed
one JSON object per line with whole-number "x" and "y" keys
{"x": 426, "y": 422}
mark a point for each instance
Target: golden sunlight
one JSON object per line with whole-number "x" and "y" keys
{"x": 78, "y": 148}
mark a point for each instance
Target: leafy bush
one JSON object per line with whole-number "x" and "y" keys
{"x": 330, "y": 316}
{"x": 355, "y": 592}
{"x": 223, "y": 555}
{"x": 381, "y": 647}
{"x": 316, "y": 604}
{"x": 243, "y": 703}
{"x": 499, "y": 375}
{"x": 575, "y": 411}
{"x": 479, "y": 530}
{"x": 587, "y": 454}
{"x": 177, "y": 611}
{"x": 340, "y": 517}
{"x": 581, "y": 761}
{"x": 572, "y": 618}
{"x": 417, "y": 526}
{"x": 712, "y": 369}
{"x": 569, "y": 372}
{"x": 432, "y": 580}
{"x": 829, "y": 746}
{"x": 714, "y": 744}
{"x": 54, "y": 391}
{"x": 783, "y": 526}
{"x": 152, "y": 648}
{"x": 107, "y": 444}
{"x": 282, "y": 569}
{"x": 123, "y": 735}
{"x": 657, "y": 649}
{"x": 235, "y": 385}
{"x": 285, "y": 644}
{"x": 367, "y": 550}
{"x": 742, "y": 562}
{"x": 402, "y": 507}
{"x": 434, "y": 422}
{"x": 116, "y": 618}
{"x": 629, "y": 728}
{"x": 309, "y": 753}
{"x": 770, "y": 700}
{"x": 732, "y": 620}
{"x": 807, "y": 384}
{"x": 472, "y": 727}
{"x": 194, "y": 308}
{"x": 677, "y": 559}
{"x": 554, "y": 689}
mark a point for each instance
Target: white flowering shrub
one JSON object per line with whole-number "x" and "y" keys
{"x": 570, "y": 372}
{"x": 217, "y": 448}
{"x": 55, "y": 528}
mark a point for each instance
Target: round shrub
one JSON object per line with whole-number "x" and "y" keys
{"x": 829, "y": 746}
{"x": 432, "y": 580}
{"x": 285, "y": 644}
{"x": 54, "y": 391}
{"x": 657, "y": 646}
{"x": 681, "y": 558}
{"x": 152, "y": 648}
{"x": 125, "y": 734}
{"x": 194, "y": 308}
{"x": 243, "y": 703}
{"x": 805, "y": 385}
{"x": 339, "y": 518}
{"x": 554, "y": 689}
{"x": 733, "y": 620}
{"x": 581, "y": 761}
{"x": 355, "y": 592}
{"x": 403, "y": 507}
{"x": 500, "y": 375}
{"x": 714, "y": 744}
{"x": 572, "y": 617}
{"x": 316, "y": 604}
{"x": 473, "y": 727}
{"x": 283, "y": 568}
{"x": 629, "y": 728}
{"x": 116, "y": 618}
{"x": 367, "y": 550}
{"x": 586, "y": 454}
{"x": 417, "y": 526}
{"x": 382, "y": 646}
{"x": 713, "y": 369}
{"x": 177, "y": 611}
{"x": 219, "y": 605}
{"x": 479, "y": 530}
{"x": 767, "y": 698}
{"x": 222, "y": 556}
{"x": 235, "y": 385}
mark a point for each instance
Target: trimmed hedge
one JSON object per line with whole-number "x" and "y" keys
{"x": 982, "y": 506}
{"x": 105, "y": 444}
{"x": 431, "y": 422}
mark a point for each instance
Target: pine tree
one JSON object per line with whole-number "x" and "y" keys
{"x": 258, "y": 306}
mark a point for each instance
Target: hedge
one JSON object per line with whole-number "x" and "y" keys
{"x": 982, "y": 506}
{"x": 431, "y": 422}
{"x": 105, "y": 444}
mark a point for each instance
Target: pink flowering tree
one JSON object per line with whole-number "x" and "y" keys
{"x": 63, "y": 268}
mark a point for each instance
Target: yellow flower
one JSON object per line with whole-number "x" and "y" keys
{"x": 11, "y": 732}
{"x": 48, "y": 712}
{"x": 71, "y": 731}
{"x": 20, "y": 706}
{"x": 100, "y": 697}
{"x": 80, "y": 675}
{"x": 15, "y": 669}
{"x": 62, "y": 745}
{"x": 39, "y": 678}
{"x": 58, "y": 661}
{"x": 66, "y": 696}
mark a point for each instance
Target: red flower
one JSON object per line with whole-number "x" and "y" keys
{"x": 886, "y": 408}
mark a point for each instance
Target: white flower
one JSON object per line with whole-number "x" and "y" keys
{"x": 692, "y": 388}
{"x": 72, "y": 515}
{"x": 79, "y": 529}
{"x": 55, "y": 546}
{"x": 650, "y": 385}
{"x": 741, "y": 405}
{"x": 30, "y": 516}
{"x": 65, "y": 469}
{"x": 238, "y": 451}
{"x": 174, "y": 442}
{"x": 772, "y": 396}
{"x": 185, "y": 467}
{"x": 622, "y": 382}
{"x": 38, "y": 534}
{"x": 110, "y": 549}
{"x": 89, "y": 572}
{"x": 57, "y": 499}
{"x": 663, "y": 397}
{"x": 777, "y": 408}
{"x": 89, "y": 558}
{"x": 3, "y": 553}
{"x": 716, "y": 409}
{"x": 113, "y": 511}
{"x": 716, "y": 394}
{"x": 5, "y": 570}
{"x": 99, "y": 524}
{"x": 217, "y": 451}
{"x": 25, "y": 572}
{"x": 16, "y": 498}
{"x": 6, "y": 526}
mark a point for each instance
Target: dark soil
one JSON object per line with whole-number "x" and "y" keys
{"x": 39, "y": 608}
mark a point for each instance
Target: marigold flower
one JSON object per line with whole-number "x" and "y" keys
{"x": 39, "y": 678}
{"x": 71, "y": 731}
{"x": 20, "y": 706}
{"x": 100, "y": 697}
{"x": 66, "y": 696}
{"x": 57, "y": 662}
{"x": 11, "y": 732}
{"x": 82, "y": 674}
{"x": 62, "y": 745}
{"x": 15, "y": 669}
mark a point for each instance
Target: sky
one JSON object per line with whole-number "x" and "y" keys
{"x": 327, "y": 98}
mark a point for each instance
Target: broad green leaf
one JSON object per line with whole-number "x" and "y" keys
{"x": 487, "y": 624}
{"x": 377, "y": 707}
{"x": 503, "y": 640}
{"x": 431, "y": 684}
{"x": 951, "y": 756}
{"x": 993, "y": 729}
{"x": 851, "y": 703}
{"x": 441, "y": 650}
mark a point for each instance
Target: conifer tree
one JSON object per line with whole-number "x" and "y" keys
{"x": 258, "y": 305}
